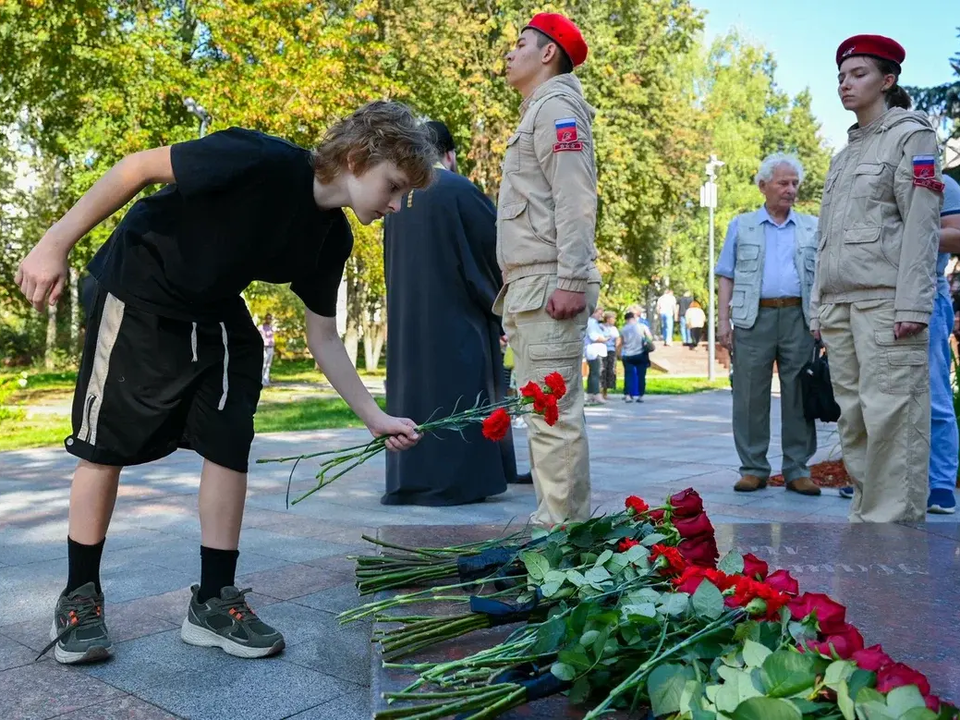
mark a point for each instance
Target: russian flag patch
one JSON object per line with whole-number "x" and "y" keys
{"x": 925, "y": 173}
{"x": 567, "y": 139}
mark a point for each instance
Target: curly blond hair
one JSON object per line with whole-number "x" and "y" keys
{"x": 380, "y": 131}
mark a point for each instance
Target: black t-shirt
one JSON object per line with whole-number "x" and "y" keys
{"x": 242, "y": 209}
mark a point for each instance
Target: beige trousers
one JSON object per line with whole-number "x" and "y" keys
{"x": 559, "y": 455}
{"x": 883, "y": 388}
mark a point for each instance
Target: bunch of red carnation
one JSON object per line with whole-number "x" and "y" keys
{"x": 753, "y": 590}
{"x": 543, "y": 398}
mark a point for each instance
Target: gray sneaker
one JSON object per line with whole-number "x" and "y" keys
{"x": 79, "y": 631}
{"x": 228, "y": 623}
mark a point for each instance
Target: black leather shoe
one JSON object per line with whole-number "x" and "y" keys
{"x": 523, "y": 479}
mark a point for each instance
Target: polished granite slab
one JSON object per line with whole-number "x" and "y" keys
{"x": 901, "y": 586}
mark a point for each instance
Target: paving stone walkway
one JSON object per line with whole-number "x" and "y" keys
{"x": 296, "y": 562}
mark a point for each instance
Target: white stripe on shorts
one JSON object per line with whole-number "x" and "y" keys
{"x": 107, "y": 333}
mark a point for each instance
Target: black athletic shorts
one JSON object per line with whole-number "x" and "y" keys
{"x": 149, "y": 385}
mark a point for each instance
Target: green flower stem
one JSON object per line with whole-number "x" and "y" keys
{"x": 514, "y": 699}
{"x": 640, "y": 673}
{"x": 443, "y": 709}
{"x": 435, "y": 695}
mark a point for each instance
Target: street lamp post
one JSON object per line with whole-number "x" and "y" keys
{"x": 708, "y": 199}
{"x": 200, "y": 112}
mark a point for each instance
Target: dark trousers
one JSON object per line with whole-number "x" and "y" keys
{"x": 696, "y": 334}
{"x": 593, "y": 377}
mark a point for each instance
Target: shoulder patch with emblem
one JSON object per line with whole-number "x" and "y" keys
{"x": 567, "y": 139}
{"x": 925, "y": 173}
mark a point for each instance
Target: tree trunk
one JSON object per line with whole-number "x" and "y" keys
{"x": 49, "y": 353}
{"x": 374, "y": 333}
{"x": 74, "y": 311}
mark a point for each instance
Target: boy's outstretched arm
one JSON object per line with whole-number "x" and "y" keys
{"x": 43, "y": 273}
{"x": 328, "y": 350}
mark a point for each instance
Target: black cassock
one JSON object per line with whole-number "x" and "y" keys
{"x": 443, "y": 342}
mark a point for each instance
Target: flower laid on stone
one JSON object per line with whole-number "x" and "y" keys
{"x": 494, "y": 418}
{"x": 616, "y": 614}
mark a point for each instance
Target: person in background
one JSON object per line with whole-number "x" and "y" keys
{"x": 595, "y": 352}
{"x": 608, "y": 375}
{"x": 875, "y": 283}
{"x": 635, "y": 343}
{"x": 686, "y": 300}
{"x": 266, "y": 332}
{"x": 667, "y": 310}
{"x": 695, "y": 320}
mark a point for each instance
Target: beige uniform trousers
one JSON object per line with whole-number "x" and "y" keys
{"x": 559, "y": 455}
{"x": 882, "y": 386}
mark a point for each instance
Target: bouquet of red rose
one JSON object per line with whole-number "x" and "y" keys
{"x": 494, "y": 417}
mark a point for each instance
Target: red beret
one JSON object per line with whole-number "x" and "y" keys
{"x": 874, "y": 45}
{"x": 563, "y": 32}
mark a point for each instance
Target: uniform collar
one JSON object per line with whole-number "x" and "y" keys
{"x": 765, "y": 217}
{"x": 564, "y": 80}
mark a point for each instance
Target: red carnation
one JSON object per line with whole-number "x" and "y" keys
{"x": 690, "y": 580}
{"x": 686, "y": 503}
{"x": 550, "y": 413}
{"x": 700, "y": 550}
{"x": 831, "y": 615}
{"x": 557, "y": 386}
{"x": 756, "y": 597}
{"x": 626, "y": 544}
{"x": 675, "y": 564}
{"x": 754, "y": 567}
{"x": 782, "y": 580}
{"x": 872, "y": 658}
{"x": 495, "y": 426}
{"x": 656, "y": 516}
{"x": 636, "y": 504}
{"x": 721, "y": 579}
{"x": 534, "y": 391}
{"x": 898, "y": 675}
{"x": 692, "y": 527}
{"x": 845, "y": 643}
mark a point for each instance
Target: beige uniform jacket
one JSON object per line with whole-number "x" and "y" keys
{"x": 547, "y": 209}
{"x": 880, "y": 219}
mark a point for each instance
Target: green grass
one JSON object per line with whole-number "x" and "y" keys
{"x": 660, "y": 384}
{"x": 37, "y": 430}
{"x": 312, "y": 414}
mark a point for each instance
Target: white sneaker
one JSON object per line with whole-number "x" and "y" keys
{"x": 627, "y": 399}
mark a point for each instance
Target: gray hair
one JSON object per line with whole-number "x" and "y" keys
{"x": 772, "y": 162}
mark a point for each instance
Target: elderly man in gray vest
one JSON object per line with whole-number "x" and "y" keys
{"x": 766, "y": 274}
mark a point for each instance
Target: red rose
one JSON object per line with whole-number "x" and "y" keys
{"x": 754, "y": 567}
{"x": 831, "y": 615}
{"x": 656, "y": 516}
{"x": 690, "y": 580}
{"x": 675, "y": 564}
{"x": 781, "y": 580}
{"x": 557, "y": 386}
{"x": 700, "y": 551}
{"x": 495, "y": 426}
{"x": 872, "y": 658}
{"x": 691, "y": 527}
{"x": 686, "y": 503}
{"x": 626, "y": 544}
{"x": 898, "y": 675}
{"x": 845, "y": 643}
{"x": 636, "y": 504}
{"x": 550, "y": 413}
{"x": 933, "y": 703}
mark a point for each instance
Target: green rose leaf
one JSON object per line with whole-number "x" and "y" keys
{"x": 537, "y": 566}
{"x": 708, "y": 601}
{"x": 904, "y": 698}
{"x": 562, "y": 671}
{"x": 576, "y": 657}
{"x": 652, "y": 539}
{"x": 754, "y": 653}
{"x": 665, "y": 686}
{"x": 867, "y": 695}
{"x": 675, "y": 604}
{"x": 844, "y": 701}
{"x": 576, "y": 578}
{"x": 837, "y": 672}
{"x": 549, "y": 636}
{"x": 703, "y": 714}
{"x": 617, "y": 564}
{"x": 875, "y": 710}
{"x": 859, "y": 680}
{"x": 538, "y": 532}
{"x": 589, "y": 637}
{"x": 580, "y": 691}
{"x": 919, "y": 714}
{"x": 549, "y": 589}
{"x": 597, "y": 575}
{"x": 637, "y": 554}
{"x": 787, "y": 672}
{"x": 766, "y": 708}
{"x": 732, "y": 563}
{"x": 604, "y": 556}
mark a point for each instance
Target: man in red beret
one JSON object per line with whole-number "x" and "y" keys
{"x": 546, "y": 221}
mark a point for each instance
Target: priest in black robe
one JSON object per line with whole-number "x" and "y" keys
{"x": 443, "y": 340}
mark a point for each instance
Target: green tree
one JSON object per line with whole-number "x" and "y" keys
{"x": 942, "y": 101}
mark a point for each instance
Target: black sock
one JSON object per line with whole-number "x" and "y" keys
{"x": 84, "y": 564}
{"x": 217, "y": 570}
